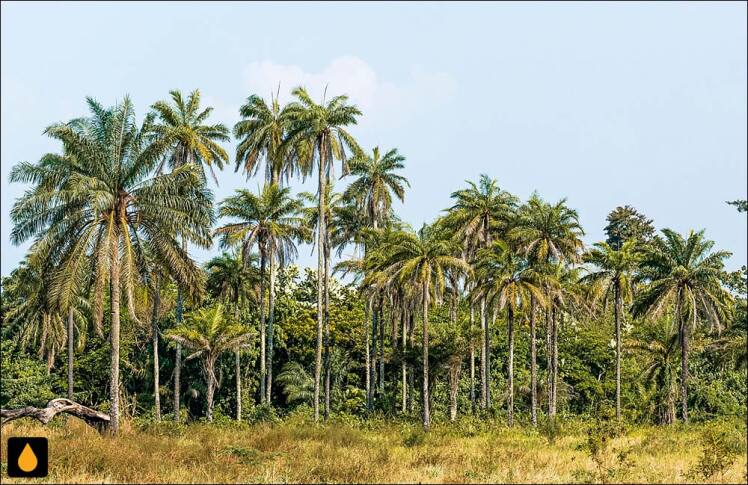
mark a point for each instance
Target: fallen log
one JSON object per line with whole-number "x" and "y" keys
{"x": 94, "y": 418}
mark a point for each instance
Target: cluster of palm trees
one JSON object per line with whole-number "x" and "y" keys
{"x": 114, "y": 213}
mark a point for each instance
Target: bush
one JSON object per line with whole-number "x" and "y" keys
{"x": 721, "y": 443}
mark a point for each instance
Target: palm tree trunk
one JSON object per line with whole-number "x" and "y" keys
{"x": 472, "y": 361}
{"x": 211, "y": 390}
{"x": 70, "y": 352}
{"x": 368, "y": 354}
{"x": 263, "y": 322}
{"x": 271, "y": 328}
{"x": 154, "y": 337}
{"x": 373, "y": 356}
{"x": 617, "y": 291}
{"x": 411, "y": 373}
{"x": 381, "y": 348}
{"x": 549, "y": 355}
{"x": 321, "y": 283}
{"x": 238, "y": 385}
{"x": 404, "y": 319}
{"x": 683, "y": 330}
{"x": 454, "y": 385}
{"x": 554, "y": 350}
{"x": 426, "y": 415}
{"x": 328, "y": 370}
{"x": 484, "y": 346}
{"x": 510, "y": 326}
{"x": 178, "y": 349}
{"x": 114, "y": 339}
{"x": 533, "y": 366}
{"x": 488, "y": 356}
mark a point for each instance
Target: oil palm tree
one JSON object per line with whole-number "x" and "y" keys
{"x": 318, "y": 135}
{"x": 231, "y": 280}
{"x": 182, "y": 126}
{"x": 480, "y": 213}
{"x": 548, "y": 234}
{"x": 423, "y": 260}
{"x": 209, "y": 332}
{"x": 507, "y": 281}
{"x": 685, "y": 274}
{"x": 375, "y": 183}
{"x": 612, "y": 281}
{"x": 272, "y": 221}
{"x": 94, "y": 208}
{"x": 657, "y": 344}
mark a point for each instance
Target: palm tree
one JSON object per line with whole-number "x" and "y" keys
{"x": 547, "y": 234}
{"x": 231, "y": 280}
{"x": 657, "y": 343}
{"x": 683, "y": 272}
{"x": 509, "y": 282}
{"x": 182, "y": 127}
{"x": 317, "y": 134}
{"x": 613, "y": 281}
{"x": 209, "y": 333}
{"x": 375, "y": 183}
{"x": 423, "y": 260}
{"x": 94, "y": 209}
{"x": 271, "y": 220}
{"x": 480, "y": 213}
{"x": 260, "y": 134}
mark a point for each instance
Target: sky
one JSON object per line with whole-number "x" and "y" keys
{"x": 604, "y": 104}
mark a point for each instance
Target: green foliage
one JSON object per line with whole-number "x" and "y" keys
{"x": 24, "y": 380}
{"x": 721, "y": 443}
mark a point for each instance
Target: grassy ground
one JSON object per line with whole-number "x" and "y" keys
{"x": 298, "y": 451}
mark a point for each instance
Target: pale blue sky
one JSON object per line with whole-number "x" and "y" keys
{"x": 606, "y": 104}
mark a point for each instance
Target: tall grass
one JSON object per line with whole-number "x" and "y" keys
{"x": 298, "y": 451}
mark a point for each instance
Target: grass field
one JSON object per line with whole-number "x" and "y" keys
{"x": 299, "y": 451}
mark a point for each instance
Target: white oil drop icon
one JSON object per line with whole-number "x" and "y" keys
{"x": 27, "y": 459}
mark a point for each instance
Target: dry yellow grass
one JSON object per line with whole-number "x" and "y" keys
{"x": 300, "y": 452}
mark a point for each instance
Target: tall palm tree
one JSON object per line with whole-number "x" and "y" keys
{"x": 182, "y": 126}
{"x": 209, "y": 333}
{"x": 94, "y": 208}
{"x": 684, "y": 273}
{"x": 375, "y": 183}
{"x": 507, "y": 281}
{"x": 548, "y": 234}
{"x": 317, "y": 135}
{"x": 272, "y": 221}
{"x": 231, "y": 280}
{"x": 612, "y": 280}
{"x": 480, "y": 213}
{"x": 423, "y": 260}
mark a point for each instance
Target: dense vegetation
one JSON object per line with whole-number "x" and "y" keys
{"x": 495, "y": 310}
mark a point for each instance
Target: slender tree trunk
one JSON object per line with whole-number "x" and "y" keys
{"x": 472, "y": 361}
{"x": 114, "y": 339}
{"x": 373, "y": 357}
{"x": 404, "y": 319}
{"x": 617, "y": 291}
{"x": 238, "y": 370}
{"x": 368, "y": 354}
{"x": 484, "y": 346}
{"x": 510, "y": 326}
{"x": 211, "y": 391}
{"x": 270, "y": 328}
{"x": 178, "y": 347}
{"x": 488, "y": 356}
{"x": 154, "y": 337}
{"x": 554, "y": 354}
{"x": 328, "y": 370}
{"x": 263, "y": 324}
{"x": 381, "y": 348}
{"x": 683, "y": 330}
{"x": 411, "y": 373}
{"x": 426, "y": 415}
{"x": 454, "y": 386}
{"x": 71, "y": 338}
{"x": 533, "y": 366}
{"x": 549, "y": 356}
{"x": 321, "y": 283}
